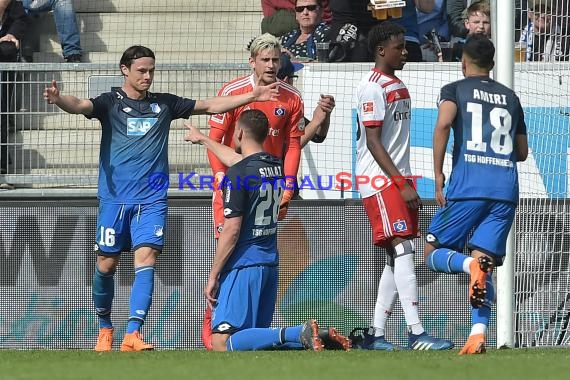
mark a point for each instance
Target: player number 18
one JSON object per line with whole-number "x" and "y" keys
{"x": 501, "y": 121}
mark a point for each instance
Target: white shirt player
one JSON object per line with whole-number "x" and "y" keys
{"x": 382, "y": 100}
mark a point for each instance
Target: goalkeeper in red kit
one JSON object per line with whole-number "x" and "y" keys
{"x": 286, "y": 126}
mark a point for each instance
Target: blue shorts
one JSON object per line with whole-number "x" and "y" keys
{"x": 489, "y": 220}
{"x": 246, "y": 299}
{"x": 126, "y": 227}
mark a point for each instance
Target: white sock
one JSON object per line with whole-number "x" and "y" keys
{"x": 466, "y": 263}
{"x": 405, "y": 279}
{"x": 478, "y": 328}
{"x": 385, "y": 300}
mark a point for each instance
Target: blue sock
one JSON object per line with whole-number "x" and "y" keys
{"x": 255, "y": 339}
{"x": 483, "y": 313}
{"x": 103, "y": 291}
{"x": 141, "y": 297}
{"x": 446, "y": 261}
{"x": 293, "y": 334}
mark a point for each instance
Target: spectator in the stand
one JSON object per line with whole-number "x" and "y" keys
{"x": 430, "y": 26}
{"x": 65, "y": 22}
{"x": 355, "y": 12}
{"x": 14, "y": 23}
{"x": 455, "y": 16}
{"x": 477, "y": 20}
{"x": 302, "y": 41}
{"x": 279, "y": 16}
{"x": 543, "y": 37}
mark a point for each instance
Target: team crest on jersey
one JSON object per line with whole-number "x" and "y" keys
{"x": 400, "y": 226}
{"x": 139, "y": 126}
{"x": 368, "y": 107}
{"x": 158, "y": 230}
{"x": 155, "y": 107}
{"x": 279, "y": 111}
{"x": 301, "y": 125}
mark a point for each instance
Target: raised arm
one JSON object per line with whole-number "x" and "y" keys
{"x": 317, "y": 129}
{"x": 68, "y": 103}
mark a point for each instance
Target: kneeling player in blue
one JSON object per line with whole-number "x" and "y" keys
{"x": 132, "y": 205}
{"x": 242, "y": 285}
{"x": 489, "y": 139}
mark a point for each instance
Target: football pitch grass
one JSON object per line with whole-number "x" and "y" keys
{"x": 520, "y": 364}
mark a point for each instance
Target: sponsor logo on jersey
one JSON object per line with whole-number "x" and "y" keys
{"x": 127, "y": 109}
{"x": 139, "y": 126}
{"x": 279, "y": 111}
{"x": 368, "y": 107}
{"x": 301, "y": 125}
{"x": 273, "y": 132}
{"x": 430, "y": 238}
{"x": 227, "y": 211}
{"x": 400, "y": 226}
{"x": 155, "y": 107}
{"x": 218, "y": 118}
{"x": 402, "y": 115}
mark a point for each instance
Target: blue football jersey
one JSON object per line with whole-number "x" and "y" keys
{"x": 489, "y": 116}
{"x": 134, "y": 143}
{"x": 253, "y": 190}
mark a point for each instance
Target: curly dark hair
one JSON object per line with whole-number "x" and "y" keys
{"x": 381, "y": 33}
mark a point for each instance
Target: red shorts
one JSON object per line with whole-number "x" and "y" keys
{"x": 218, "y": 212}
{"x": 390, "y": 217}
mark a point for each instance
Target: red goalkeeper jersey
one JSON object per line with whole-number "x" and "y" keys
{"x": 285, "y": 116}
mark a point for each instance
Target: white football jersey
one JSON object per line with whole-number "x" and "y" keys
{"x": 382, "y": 101}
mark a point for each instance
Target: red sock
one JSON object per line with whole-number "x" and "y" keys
{"x": 207, "y": 329}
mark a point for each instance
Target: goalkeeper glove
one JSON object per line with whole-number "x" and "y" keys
{"x": 287, "y": 196}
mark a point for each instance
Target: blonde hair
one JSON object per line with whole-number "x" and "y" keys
{"x": 265, "y": 41}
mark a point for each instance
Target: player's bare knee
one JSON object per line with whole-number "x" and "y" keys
{"x": 107, "y": 264}
{"x": 146, "y": 257}
{"x": 219, "y": 342}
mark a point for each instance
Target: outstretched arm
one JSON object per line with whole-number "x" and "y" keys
{"x": 68, "y": 103}
{"x": 225, "y": 154}
{"x": 222, "y": 104}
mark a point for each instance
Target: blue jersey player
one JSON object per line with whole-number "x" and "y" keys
{"x": 132, "y": 215}
{"x": 489, "y": 139}
{"x": 242, "y": 285}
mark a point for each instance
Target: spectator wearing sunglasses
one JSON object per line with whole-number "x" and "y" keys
{"x": 279, "y": 16}
{"x": 301, "y": 42}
